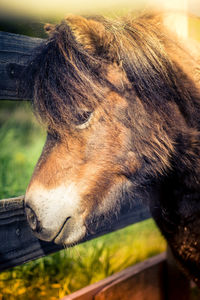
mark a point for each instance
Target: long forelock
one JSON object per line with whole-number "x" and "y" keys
{"x": 68, "y": 78}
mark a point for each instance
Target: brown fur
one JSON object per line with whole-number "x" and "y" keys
{"x": 144, "y": 91}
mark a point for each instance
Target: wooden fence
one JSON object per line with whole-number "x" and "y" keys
{"x": 155, "y": 279}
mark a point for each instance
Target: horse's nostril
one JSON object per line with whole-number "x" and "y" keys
{"x": 32, "y": 219}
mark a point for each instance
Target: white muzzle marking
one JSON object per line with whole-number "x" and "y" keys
{"x": 52, "y": 207}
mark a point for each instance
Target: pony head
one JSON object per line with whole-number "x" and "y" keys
{"x": 120, "y": 102}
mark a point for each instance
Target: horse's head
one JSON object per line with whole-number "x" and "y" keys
{"x": 119, "y": 111}
{"x": 94, "y": 146}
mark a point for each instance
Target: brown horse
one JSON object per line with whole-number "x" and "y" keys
{"x": 121, "y": 104}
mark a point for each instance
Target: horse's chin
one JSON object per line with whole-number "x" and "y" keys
{"x": 71, "y": 232}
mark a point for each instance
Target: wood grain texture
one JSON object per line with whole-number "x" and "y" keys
{"x": 15, "y": 52}
{"x": 145, "y": 283}
{"x": 18, "y": 244}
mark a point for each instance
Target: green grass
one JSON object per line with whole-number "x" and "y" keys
{"x": 59, "y": 274}
{"x": 21, "y": 143}
{"x": 64, "y": 272}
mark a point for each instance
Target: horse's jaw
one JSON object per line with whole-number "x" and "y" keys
{"x": 72, "y": 231}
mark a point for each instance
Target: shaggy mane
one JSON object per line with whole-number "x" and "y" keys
{"x": 68, "y": 79}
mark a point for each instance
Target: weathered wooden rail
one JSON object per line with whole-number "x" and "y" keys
{"x": 151, "y": 280}
{"x": 18, "y": 244}
{"x": 15, "y": 52}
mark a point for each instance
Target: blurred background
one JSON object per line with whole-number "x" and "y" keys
{"x": 60, "y": 8}
{"x": 21, "y": 142}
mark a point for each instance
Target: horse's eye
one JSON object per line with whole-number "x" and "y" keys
{"x": 83, "y": 120}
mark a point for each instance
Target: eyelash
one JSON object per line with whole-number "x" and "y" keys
{"x": 84, "y": 120}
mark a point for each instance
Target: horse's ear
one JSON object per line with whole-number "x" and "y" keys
{"x": 49, "y": 28}
{"x": 90, "y": 33}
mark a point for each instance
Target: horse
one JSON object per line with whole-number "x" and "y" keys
{"x": 120, "y": 101}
